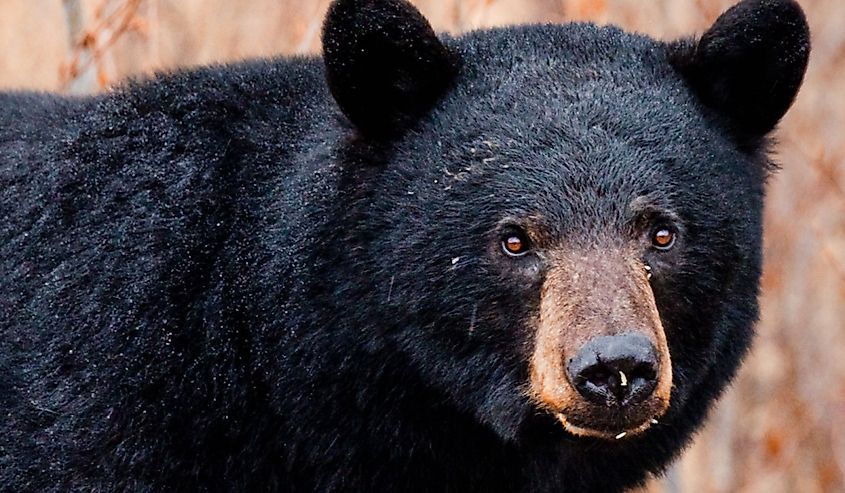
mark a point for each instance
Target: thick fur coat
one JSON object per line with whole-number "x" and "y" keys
{"x": 286, "y": 275}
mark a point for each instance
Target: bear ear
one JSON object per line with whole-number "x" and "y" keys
{"x": 749, "y": 65}
{"x": 385, "y": 66}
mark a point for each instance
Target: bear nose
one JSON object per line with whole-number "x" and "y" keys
{"x": 615, "y": 370}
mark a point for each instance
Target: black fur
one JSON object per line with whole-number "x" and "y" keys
{"x": 750, "y": 64}
{"x": 384, "y": 64}
{"x": 210, "y": 281}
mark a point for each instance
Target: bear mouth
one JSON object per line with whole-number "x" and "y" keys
{"x": 621, "y": 434}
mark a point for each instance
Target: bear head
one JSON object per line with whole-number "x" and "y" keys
{"x": 563, "y": 224}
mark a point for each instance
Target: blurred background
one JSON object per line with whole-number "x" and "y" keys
{"x": 781, "y": 427}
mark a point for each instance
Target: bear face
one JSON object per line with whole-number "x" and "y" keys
{"x": 583, "y": 207}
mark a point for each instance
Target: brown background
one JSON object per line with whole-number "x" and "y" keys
{"x": 781, "y": 428}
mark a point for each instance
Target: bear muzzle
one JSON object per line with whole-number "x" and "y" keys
{"x": 601, "y": 362}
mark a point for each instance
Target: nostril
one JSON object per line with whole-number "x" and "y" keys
{"x": 642, "y": 381}
{"x": 644, "y": 371}
{"x": 615, "y": 370}
{"x": 609, "y": 383}
{"x": 596, "y": 379}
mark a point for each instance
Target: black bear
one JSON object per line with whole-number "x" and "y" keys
{"x": 520, "y": 259}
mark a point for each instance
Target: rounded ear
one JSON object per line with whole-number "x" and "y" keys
{"x": 749, "y": 65}
{"x": 385, "y": 66}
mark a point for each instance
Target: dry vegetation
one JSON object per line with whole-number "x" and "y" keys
{"x": 782, "y": 426}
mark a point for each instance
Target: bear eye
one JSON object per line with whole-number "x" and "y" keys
{"x": 663, "y": 238}
{"x": 515, "y": 244}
